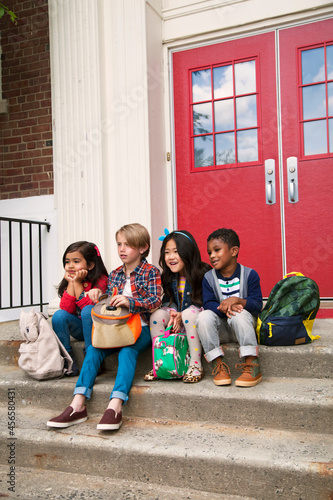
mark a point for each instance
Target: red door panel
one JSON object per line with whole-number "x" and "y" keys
{"x": 309, "y": 222}
{"x": 231, "y": 195}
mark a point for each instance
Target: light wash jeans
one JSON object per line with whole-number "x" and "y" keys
{"x": 66, "y": 325}
{"x": 214, "y": 331}
{"x": 127, "y": 359}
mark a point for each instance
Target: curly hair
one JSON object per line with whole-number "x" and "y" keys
{"x": 228, "y": 236}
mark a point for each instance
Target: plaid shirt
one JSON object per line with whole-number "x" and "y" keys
{"x": 145, "y": 285}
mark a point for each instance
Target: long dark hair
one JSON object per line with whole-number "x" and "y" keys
{"x": 91, "y": 254}
{"x": 193, "y": 266}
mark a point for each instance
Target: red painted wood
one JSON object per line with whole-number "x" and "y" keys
{"x": 308, "y": 223}
{"x": 231, "y": 197}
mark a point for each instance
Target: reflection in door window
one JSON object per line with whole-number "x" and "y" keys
{"x": 316, "y": 94}
{"x": 224, "y": 114}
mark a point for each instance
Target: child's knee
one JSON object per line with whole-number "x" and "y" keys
{"x": 190, "y": 315}
{"x": 58, "y": 317}
{"x": 242, "y": 319}
{"x": 205, "y": 318}
{"x": 86, "y": 312}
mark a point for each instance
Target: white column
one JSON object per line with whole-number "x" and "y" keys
{"x": 102, "y": 141}
{"x": 124, "y": 95}
{"x": 76, "y": 110}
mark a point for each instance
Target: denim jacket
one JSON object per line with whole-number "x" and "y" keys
{"x": 176, "y": 303}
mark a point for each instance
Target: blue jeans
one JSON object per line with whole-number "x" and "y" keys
{"x": 66, "y": 325}
{"x": 127, "y": 359}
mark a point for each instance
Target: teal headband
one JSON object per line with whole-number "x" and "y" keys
{"x": 167, "y": 232}
{"x": 179, "y": 232}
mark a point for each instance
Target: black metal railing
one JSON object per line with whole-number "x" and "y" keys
{"x": 21, "y": 263}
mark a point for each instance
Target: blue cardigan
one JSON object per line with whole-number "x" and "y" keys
{"x": 253, "y": 296}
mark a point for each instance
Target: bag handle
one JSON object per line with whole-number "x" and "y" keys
{"x": 167, "y": 332}
{"x": 294, "y": 273}
{"x": 105, "y": 295}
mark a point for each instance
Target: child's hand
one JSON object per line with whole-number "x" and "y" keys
{"x": 69, "y": 277}
{"x": 80, "y": 275}
{"x": 230, "y": 306}
{"x": 94, "y": 294}
{"x": 120, "y": 301}
{"x": 175, "y": 320}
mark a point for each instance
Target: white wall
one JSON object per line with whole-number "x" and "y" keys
{"x": 40, "y": 208}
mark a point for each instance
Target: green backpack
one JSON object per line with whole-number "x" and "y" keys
{"x": 171, "y": 356}
{"x": 290, "y": 311}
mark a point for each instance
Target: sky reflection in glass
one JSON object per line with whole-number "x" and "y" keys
{"x": 313, "y": 65}
{"x": 314, "y": 102}
{"x": 315, "y": 137}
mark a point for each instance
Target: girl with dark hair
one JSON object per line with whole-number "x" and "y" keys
{"x": 182, "y": 274}
{"x": 85, "y": 275}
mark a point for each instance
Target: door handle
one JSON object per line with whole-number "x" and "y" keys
{"x": 270, "y": 182}
{"x": 292, "y": 177}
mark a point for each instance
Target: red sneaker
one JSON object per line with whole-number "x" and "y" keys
{"x": 68, "y": 417}
{"x": 111, "y": 421}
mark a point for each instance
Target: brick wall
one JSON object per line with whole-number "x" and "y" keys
{"x": 26, "y": 164}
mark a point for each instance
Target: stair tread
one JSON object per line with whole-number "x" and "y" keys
{"x": 161, "y": 438}
{"x": 294, "y": 390}
{"x": 55, "y": 485}
{"x": 9, "y": 330}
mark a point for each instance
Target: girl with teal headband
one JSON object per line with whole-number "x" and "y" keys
{"x": 182, "y": 274}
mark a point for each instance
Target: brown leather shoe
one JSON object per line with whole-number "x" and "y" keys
{"x": 251, "y": 373}
{"x": 221, "y": 373}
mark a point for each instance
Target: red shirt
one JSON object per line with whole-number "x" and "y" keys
{"x": 70, "y": 303}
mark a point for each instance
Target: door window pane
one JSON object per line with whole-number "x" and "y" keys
{"x": 315, "y": 137}
{"x": 314, "y": 102}
{"x": 330, "y": 62}
{"x": 201, "y": 85}
{"x": 202, "y": 118}
{"x": 313, "y": 65}
{"x": 225, "y": 149}
{"x": 330, "y": 126}
{"x": 247, "y": 146}
{"x": 246, "y": 111}
{"x": 224, "y": 115}
{"x": 245, "y": 77}
{"x": 221, "y": 110}
{"x": 203, "y": 151}
{"x": 223, "y": 82}
{"x": 316, "y": 99}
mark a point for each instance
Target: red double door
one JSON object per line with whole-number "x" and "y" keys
{"x": 254, "y": 148}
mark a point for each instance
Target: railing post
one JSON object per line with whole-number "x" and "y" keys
{"x": 30, "y": 242}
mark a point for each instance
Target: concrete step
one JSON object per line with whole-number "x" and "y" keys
{"x": 312, "y": 360}
{"x": 32, "y": 483}
{"x": 276, "y": 403}
{"x": 262, "y": 464}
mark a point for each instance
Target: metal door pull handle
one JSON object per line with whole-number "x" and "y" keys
{"x": 292, "y": 174}
{"x": 270, "y": 181}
